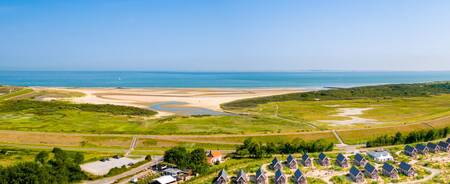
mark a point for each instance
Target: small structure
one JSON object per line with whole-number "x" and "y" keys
{"x": 279, "y": 177}
{"x": 359, "y": 160}
{"x": 260, "y": 177}
{"x": 380, "y": 155}
{"x": 448, "y": 140}
{"x": 422, "y": 149}
{"x": 356, "y": 175}
{"x": 299, "y": 178}
{"x": 164, "y": 180}
{"x": 276, "y": 164}
{"x": 214, "y": 157}
{"x": 410, "y": 151}
{"x": 444, "y": 146}
{"x": 389, "y": 171}
{"x": 222, "y": 178}
{"x": 291, "y": 162}
{"x": 370, "y": 171}
{"x": 306, "y": 160}
{"x": 406, "y": 169}
{"x": 323, "y": 160}
{"x": 174, "y": 172}
{"x": 433, "y": 147}
{"x": 241, "y": 177}
{"x": 341, "y": 160}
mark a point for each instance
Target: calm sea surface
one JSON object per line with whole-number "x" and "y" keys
{"x": 214, "y": 79}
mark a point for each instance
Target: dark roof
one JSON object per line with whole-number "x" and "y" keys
{"x": 443, "y": 144}
{"x": 369, "y": 168}
{"x": 431, "y": 145}
{"x": 354, "y": 171}
{"x": 359, "y": 157}
{"x": 405, "y": 166}
{"x": 223, "y": 174}
{"x": 259, "y": 172}
{"x": 409, "y": 148}
{"x": 305, "y": 156}
{"x": 388, "y": 167}
{"x": 322, "y": 156}
{"x": 241, "y": 173}
{"x": 341, "y": 157}
{"x": 448, "y": 140}
{"x": 290, "y": 158}
{"x": 298, "y": 174}
{"x": 275, "y": 161}
{"x": 278, "y": 174}
{"x": 420, "y": 147}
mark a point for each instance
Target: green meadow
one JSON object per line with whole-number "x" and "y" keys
{"x": 396, "y": 110}
{"x": 404, "y": 108}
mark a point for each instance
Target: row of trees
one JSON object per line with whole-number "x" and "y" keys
{"x": 254, "y": 149}
{"x": 180, "y": 156}
{"x": 63, "y": 167}
{"x": 412, "y": 137}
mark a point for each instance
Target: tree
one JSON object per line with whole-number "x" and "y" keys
{"x": 78, "y": 158}
{"x": 41, "y": 157}
{"x": 197, "y": 161}
{"x": 178, "y": 156}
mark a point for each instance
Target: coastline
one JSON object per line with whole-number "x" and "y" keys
{"x": 206, "y": 98}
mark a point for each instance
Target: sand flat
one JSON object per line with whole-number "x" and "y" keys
{"x": 209, "y": 98}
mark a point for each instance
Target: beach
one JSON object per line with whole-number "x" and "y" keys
{"x": 207, "y": 98}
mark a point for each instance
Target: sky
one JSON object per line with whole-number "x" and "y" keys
{"x": 225, "y": 35}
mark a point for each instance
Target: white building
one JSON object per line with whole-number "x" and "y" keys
{"x": 380, "y": 155}
{"x": 165, "y": 180}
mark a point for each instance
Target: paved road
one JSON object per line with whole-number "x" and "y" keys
{"x": 131, "y": 172}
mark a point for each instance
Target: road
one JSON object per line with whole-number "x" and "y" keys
{"x": 131, "y": 172}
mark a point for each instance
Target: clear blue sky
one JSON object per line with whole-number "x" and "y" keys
{"x": 225, "y": 35}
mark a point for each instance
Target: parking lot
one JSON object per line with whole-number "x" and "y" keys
{"x": 100, "y": 168}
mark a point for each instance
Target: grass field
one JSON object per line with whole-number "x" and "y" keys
{"x": 97, "y": 122}
{"x": 10, "y": 155}
{"x": 79, "y": 127}
{"x": 386, "y": 111}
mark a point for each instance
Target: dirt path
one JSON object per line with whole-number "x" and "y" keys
{"x": 132, "y": 145}
{"x": 434, "y": 172}
{"x": 338, "y": 137}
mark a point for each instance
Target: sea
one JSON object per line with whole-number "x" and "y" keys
{"x": 143, "y": 79}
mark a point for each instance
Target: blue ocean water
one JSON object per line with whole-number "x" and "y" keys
{"x": 212, "y": 79}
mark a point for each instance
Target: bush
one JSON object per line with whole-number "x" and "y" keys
{"x": 42, "y": 108}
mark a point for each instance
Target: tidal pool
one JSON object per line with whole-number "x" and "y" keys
{"x": 180, "y": 109}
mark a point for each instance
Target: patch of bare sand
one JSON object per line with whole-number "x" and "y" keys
{"x": 352, "y": 115}
{"x": 197, "y": 97}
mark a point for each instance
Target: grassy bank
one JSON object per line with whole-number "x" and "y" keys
{"x": 366, "y": 92}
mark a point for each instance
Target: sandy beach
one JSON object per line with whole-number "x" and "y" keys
{"x": 209, "y": 98}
